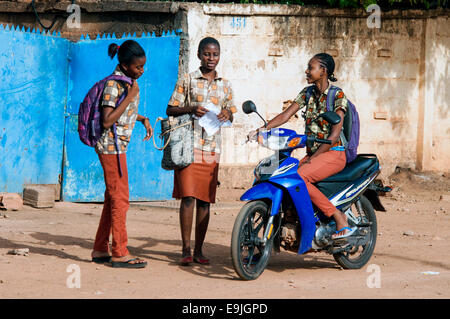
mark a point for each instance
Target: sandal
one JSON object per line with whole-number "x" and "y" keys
{"x": 201, "y": 261}
{"x": 185, "y": 261}
{"x": 101, "y": 260}
{"x": 127, "y": 264}
{"x": 349, "y": 232}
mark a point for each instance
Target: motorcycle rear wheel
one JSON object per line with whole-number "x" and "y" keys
{"x": 248, "y": 254}
{"x": 358, "y": 256}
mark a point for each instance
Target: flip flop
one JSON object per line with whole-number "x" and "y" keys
{"x": 347, "y": 234}
{"x": 101, "y": 260}
{"x": 127, "y": 264}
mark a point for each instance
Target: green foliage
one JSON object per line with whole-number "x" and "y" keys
{"x": 389, "y": 4}
{"x": 384, "y": 4}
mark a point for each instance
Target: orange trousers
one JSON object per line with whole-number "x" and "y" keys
{"x": 115, "y": 207}
{"x": 319, "y": 168}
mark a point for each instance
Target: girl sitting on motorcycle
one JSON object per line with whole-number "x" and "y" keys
{"x": 321, "y": 160}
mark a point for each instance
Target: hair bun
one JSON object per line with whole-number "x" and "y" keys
{"x": 332, "y": 78}
{"x": 112, "y": 50}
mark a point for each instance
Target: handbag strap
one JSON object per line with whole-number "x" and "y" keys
{"x": 173, "y": 128}
{"x": 166, "y": 132}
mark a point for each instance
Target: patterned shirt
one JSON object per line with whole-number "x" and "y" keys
{"x": 316, "y": 106}
{"x": 201, "y": 93}
{"x": 124, "y": 125}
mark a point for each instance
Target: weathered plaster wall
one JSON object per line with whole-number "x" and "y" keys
{"x": 395, "y": 74}
{"x": 100, "y": 17}
{"x": 436, "y": 113}
{"x": 97, "y": 17}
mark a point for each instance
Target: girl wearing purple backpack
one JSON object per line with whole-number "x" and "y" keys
{"x": 119, "y": 113}
{"x": 321, "y": 160}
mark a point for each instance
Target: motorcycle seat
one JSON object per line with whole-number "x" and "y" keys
{"x": 353, "y": 170}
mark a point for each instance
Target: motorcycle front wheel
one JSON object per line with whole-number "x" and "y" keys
{"x": 248, "y": 252}
{"x": 359, "y": 255}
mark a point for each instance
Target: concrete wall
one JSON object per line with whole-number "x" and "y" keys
{"x": 396, "y": 75}
{"x": 433, "y": 150}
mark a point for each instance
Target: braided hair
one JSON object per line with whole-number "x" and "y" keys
{"x": 327, "y": 62}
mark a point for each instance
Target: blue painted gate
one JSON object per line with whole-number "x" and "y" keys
{"x": 33, "y": 91}
{"x": 83, "y": 175}
{"x": 40, "y": 113}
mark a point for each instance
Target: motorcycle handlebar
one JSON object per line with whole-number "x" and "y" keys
{"x": 319, "y": 140}
{"x": 310, "y": 139}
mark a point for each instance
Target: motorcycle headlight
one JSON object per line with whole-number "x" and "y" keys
{"x": 276, "y": 143}
{"x": 266, "y": 167}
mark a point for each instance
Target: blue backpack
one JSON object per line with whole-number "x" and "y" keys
{"x": 350, "y": 128}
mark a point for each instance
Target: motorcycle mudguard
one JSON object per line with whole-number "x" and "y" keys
{"x": 288, "y": 179}
{"x": 296, "y": 187}
{"x": 265, "y": 190}
{"x": 372, "y": 196}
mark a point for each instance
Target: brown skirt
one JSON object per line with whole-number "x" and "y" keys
{"x": 199, "y": 179}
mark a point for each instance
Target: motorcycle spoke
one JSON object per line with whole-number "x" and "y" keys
{"x": 258, "y": 228}
{"x": 249, "y": 234}
{"x": 259, "y": 217}
{"x": 250, "y": 240}
{"x": 249, "y": 253}
{"x": 247, "y": 242}
{"x": 250, "y": 257}
{"x": 359, "y": 214}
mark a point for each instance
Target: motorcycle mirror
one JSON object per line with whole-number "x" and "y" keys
{"x": 331, "y": 117}
{"x": 248, "y": 107}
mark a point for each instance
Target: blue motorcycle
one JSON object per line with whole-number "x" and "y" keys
{"x": 279, "y": 212}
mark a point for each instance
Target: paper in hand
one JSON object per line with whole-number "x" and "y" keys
{"x": 210, "y": 122}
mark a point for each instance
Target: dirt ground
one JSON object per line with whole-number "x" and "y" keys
{"x": 411, "y": 257}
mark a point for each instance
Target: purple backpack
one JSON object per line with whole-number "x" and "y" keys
{"x": 90, "y": 126}
{"x": 350, "y": 133}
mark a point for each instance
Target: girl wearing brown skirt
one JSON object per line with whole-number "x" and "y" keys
{"x": 196, "y": 184}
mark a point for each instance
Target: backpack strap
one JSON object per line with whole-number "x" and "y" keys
{"x": 309, "y": 93}
{"x": 119, "y": 78}
{"x": 121, "y": 98}
{"x": 331, "y": 96}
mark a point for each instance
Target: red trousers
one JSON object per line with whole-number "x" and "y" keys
{"x": 319, "y": 168}
{"x": 115, "y": 207}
